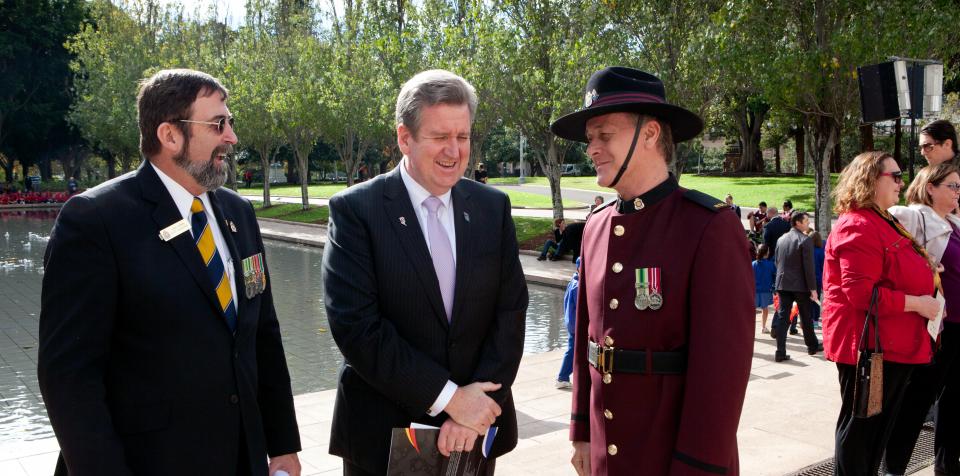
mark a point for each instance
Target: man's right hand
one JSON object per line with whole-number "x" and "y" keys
{"x": 581, "y": 457}
{"x": 471, "y": 407}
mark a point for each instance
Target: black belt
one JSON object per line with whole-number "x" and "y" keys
{"x": 611, "y": 360}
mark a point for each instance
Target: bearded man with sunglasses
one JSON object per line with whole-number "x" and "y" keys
{"x": 160, "y": 350}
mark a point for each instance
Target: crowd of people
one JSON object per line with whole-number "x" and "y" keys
{"x": 887, "y": 282}
{"x": 142, "y": 283}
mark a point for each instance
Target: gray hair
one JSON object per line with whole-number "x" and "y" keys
{"x": 431, "y": 87}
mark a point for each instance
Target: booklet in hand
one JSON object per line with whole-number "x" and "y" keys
{"x": 413, "y": 452}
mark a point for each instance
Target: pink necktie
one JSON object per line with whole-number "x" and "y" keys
{"x": 442, "y": 254}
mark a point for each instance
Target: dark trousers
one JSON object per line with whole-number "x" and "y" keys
{"x": 947, "y": 437}
{"x": 860, "y": 441}
{"x": 781, "y": 320}
{"x": 922, "y": 391}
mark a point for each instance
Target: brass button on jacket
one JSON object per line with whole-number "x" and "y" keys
{"x": 619, "y": 230}
{"x": 608, "y": 414}
{"x": 614, "y": 303}
{"x": 612, "y": 450}
{"x": 608, "y": 341}
{"x": 617, "y": 267}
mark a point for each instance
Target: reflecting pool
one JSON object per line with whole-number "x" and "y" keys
{"x": 312, "y": 355}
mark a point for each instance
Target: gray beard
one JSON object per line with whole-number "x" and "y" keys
{"x": 205, "y": 173}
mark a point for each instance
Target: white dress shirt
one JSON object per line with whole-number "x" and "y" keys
{"x": 417, "y": 195}
{"x": 184, "y": 200}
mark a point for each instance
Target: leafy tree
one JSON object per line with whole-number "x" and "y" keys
{"x": 548, "y": 49}
{"x": 35, "y": 83}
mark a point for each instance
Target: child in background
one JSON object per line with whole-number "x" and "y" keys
{"x": 764, "y": 275}
{"x": 570, "y": 319}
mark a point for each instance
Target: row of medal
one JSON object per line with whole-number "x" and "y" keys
{"x": 649, "y": 295}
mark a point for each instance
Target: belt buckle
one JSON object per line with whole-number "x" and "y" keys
{"x": 605, "y": 359}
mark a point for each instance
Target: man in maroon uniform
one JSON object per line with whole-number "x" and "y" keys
{"x": 665, "y": 319}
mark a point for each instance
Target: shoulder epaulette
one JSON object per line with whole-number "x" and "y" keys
{"x": 706, "y": 201}
{"x": 601, "y": 207}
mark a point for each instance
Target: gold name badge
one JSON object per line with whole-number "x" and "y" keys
{"x": 174, "y": 230}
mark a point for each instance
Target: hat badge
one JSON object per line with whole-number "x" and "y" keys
{"x": 590, "y": 97}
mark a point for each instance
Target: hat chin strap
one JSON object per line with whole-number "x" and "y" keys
{"x": 633, "y": 145}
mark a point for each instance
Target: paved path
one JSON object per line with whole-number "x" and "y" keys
{"x": 787, "y": 422}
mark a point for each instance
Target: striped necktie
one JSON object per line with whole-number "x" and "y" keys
{"x": 203, "y": 235}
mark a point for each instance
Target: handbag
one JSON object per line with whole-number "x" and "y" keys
{"x": 868, "y": 387}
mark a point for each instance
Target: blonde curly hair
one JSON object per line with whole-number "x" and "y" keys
{"x": 858, "y": 182}
{"x": 931, "y": 174}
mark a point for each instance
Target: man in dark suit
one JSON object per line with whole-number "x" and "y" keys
{"x": 424, "y": 291}
{"x": 795, "y": 282}
{"x": 160, "y": 350}
{"x": 775, "y": 228}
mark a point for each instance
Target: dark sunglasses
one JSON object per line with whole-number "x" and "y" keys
{"x": 896, "y": 176}
{"x": 221, "y": 124}
{"x": 928, "y": 146}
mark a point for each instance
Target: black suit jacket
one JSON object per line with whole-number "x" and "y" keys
{"x": 139, "y": 371}
{"x": 795, "y": 266}
{"x": 386, "y": 313}
{"x": 772, "y": 231}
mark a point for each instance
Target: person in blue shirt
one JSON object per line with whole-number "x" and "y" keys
{"x": 764, "y": 274}
{"x": 570, "y": 318}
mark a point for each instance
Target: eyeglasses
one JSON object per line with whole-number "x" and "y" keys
{"x": 955, "y": 187}
{"x": 928, "y": 146}
{"x": 896, "y": 176}
{"x": 221, "y": 124}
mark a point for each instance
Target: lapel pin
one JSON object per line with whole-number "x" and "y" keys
{"x": 403, "y": 221}
{"x": 466, "y": 216}
{"x": 233, "y": 227}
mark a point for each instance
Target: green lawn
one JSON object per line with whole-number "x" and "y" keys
{"x": 517, "y": 199}
{"x": 746, "y": 191}
{"x": 293, "y": 212}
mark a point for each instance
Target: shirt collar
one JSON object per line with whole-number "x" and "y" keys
{"x": 650, "y": 198}
{"x": 416, "y": 191}
{"x": 181, "y": 197}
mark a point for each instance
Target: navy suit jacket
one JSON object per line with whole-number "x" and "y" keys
{"x": 386, "y": 313}
{"x": 138, "y": 369}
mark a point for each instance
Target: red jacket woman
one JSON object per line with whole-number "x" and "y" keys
{"x": 863, "y": 250}
{"x": 869, "y": 248}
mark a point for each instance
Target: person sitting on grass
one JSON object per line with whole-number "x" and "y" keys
{"x": 566, "y": 240}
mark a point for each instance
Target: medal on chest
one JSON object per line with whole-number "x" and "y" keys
{"x": 649, "y": 294}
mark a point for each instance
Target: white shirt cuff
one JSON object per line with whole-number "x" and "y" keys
{"x": 443, "y": 399}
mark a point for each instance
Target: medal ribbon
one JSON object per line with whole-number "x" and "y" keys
{"x": 655, "y": 280}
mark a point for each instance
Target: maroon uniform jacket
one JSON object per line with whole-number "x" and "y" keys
{"x": 658, "y": 424}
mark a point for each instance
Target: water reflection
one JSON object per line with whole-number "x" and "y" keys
{"x": 312, "y": 355}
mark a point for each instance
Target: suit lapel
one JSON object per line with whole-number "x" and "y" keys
{"x": 462, "y": 211}
{"x": 224, "y": 220}
{"x": 165, "y": 214}
{"x": 410, "y": 235}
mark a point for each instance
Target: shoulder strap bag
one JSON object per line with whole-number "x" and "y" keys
{"x": 868, "y": 387}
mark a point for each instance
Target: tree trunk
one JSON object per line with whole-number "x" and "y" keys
{"x": 303, "y": 167}
{"x": 835, "y": 162}
{"x": 823, "y": 138}
{"x": 866, "y": 137}
{"x": 8, "y": 169}
{"x": 111, "y": 160}
{"x": 265, "y": 164}
{"x": 551, "y": 168}
{"x": 776, "y": 158}
{"x": 231, "y": 163}
{"x": 748, "y": 125}
{"x": 800, "y": 141}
